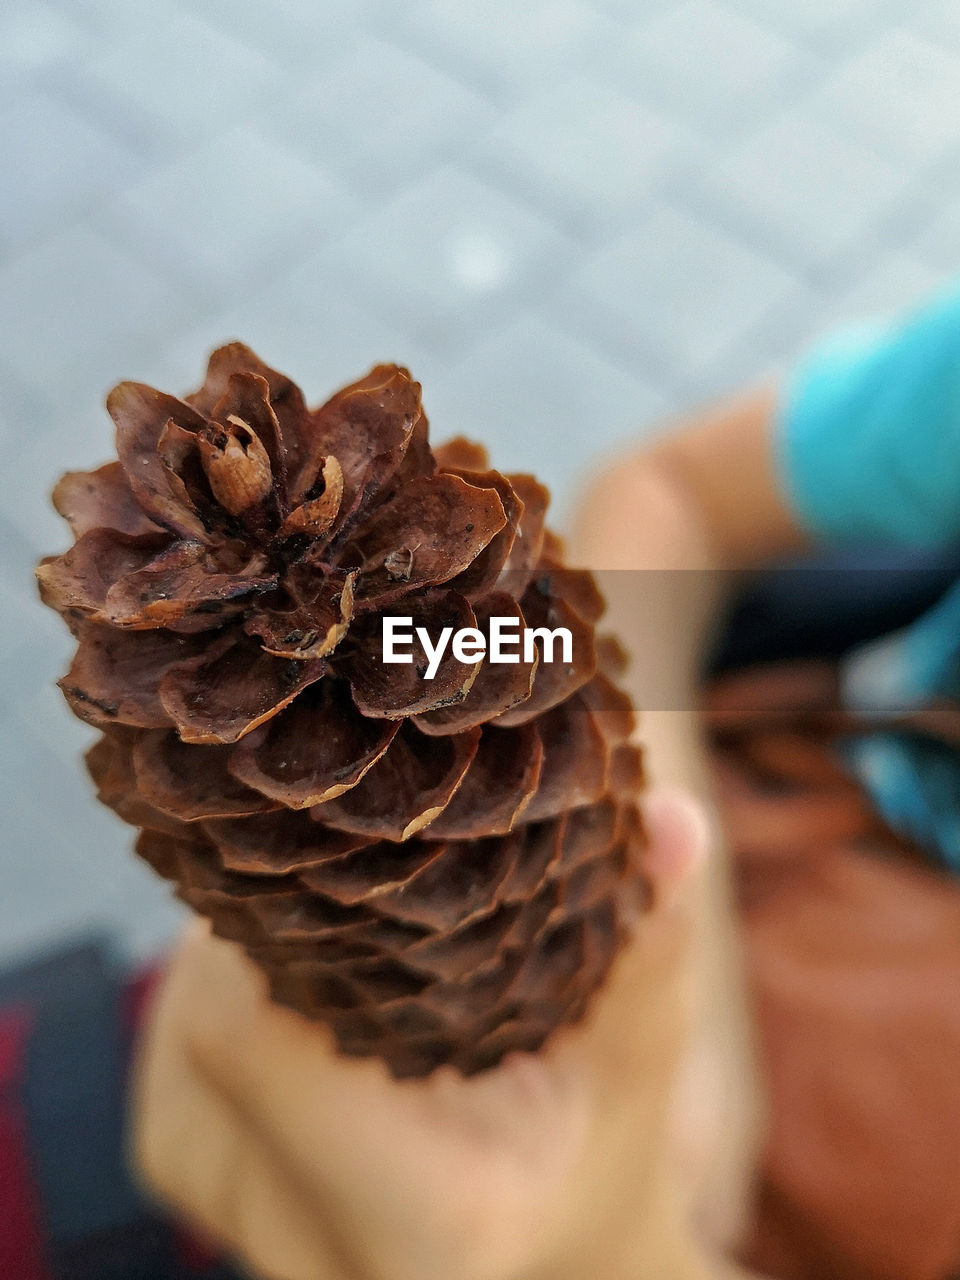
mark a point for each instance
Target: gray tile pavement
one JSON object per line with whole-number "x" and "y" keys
{"x": 381, "y": 118}
{"x": 275, "y": 204}
{"x": 702, "y": 290}
{"x": 570, "y": 217}
{"x": 800, "y": 190}
{"x": 449, "y": 258}
{"x": 60, "y": 165}
{"x": 505, "y": 49}
{"x": 901, "y": 93}
{"x": 587, "y": 155}
{"x": 717, "y": 68}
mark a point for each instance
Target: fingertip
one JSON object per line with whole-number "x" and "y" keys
{"x": 679, "y": 840}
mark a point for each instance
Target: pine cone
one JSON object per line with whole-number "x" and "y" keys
{"x": 441, "y": 870}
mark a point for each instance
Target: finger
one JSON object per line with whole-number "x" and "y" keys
{"x": 164, "y": 1125}
{"x": 276, "y": 1224}
{"x": 678, "y": 842}
{"x": 196, "y": 1154}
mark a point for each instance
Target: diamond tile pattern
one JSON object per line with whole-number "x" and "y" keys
{"x": 572, "y": 218}
{"x": 712, "y": 66}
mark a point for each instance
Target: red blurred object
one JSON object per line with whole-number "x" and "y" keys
{"x": 22, "y": 1252}
{"x": 853, "y": 951}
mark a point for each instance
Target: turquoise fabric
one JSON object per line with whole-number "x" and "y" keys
{"x": 869, "y": 451}
{"x": 869, "y": 431}
{"x": 912, "y": 778}
{"x": 913, "y": 782}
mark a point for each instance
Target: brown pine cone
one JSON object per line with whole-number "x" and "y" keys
{"x": 442, "y": 870}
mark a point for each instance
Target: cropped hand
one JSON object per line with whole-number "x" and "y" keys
{"x": 564, "y": 1165}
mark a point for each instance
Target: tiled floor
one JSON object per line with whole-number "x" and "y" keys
{"x": 570, "y": 217}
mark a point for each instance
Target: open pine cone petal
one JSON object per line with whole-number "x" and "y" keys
{"x": 461, "y": 454}
{"x": 110, "y": 763}
{"x": 316, "y": 749}
{"x": 310, "y": 629}
{"x": 575, "y": 761}
{"x": 440, "y": 869}
{"x": 319, "y": 505}
{"x": 547, "y": 603}
{"x": 480, "y": 576}
{"x": 588, "y": 833}
{"x": 612, "y": 659}
{"x": 501, "y": 782}
{"x": 177, "y": 583}
{"x": 101, "y": 499}
{"x": 190, "y": 782}
{"x": 373, "y": 874}
{"x": 247, "y": 399}
{"x": 407, "y": 788}
{"x": 165, "y": 853}
{"x": 231, "y": 689}
{"x": 468, "y": 947}
{"x": 625, "y": 776}
{"x": 286, "y": 399}
{"x": 396, "y": 691}
{"x": 77, "y": 582}
{"x": 440, "y": 522}
{"x": 497, "y": 687}
{"x": 434, "y": 897}
{"x": 610, "y": 706}
{"x": 539, "y": 853}
{"x": 115, "y": 675}
{"x": 141, "y": 415}
{"x": 298, "y": 917}
{"x": 284, "y": 842}
{"x": 527, "y": 545}
{"x": 368, "y": 427}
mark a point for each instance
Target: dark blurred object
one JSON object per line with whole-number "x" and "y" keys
{"x": 69, "y": 1210}
{"x": 820, "y": 608}
{"x": 852, "y": 939}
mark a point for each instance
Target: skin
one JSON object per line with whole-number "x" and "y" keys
{"x": 626, "y": 1147}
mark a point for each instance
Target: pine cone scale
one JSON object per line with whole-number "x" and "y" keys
{"x": 101, "y": 499}
{"x": 141, "y": 416}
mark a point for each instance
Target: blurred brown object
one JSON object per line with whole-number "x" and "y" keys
{"x": 853, "y": 951}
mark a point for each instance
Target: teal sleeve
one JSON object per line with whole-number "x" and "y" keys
{"x": 869, "y": 432}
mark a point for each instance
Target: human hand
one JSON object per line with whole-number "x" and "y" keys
{"x": 571, "y": 1163}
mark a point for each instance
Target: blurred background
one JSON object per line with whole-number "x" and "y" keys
{"x": 570, "y": 218}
